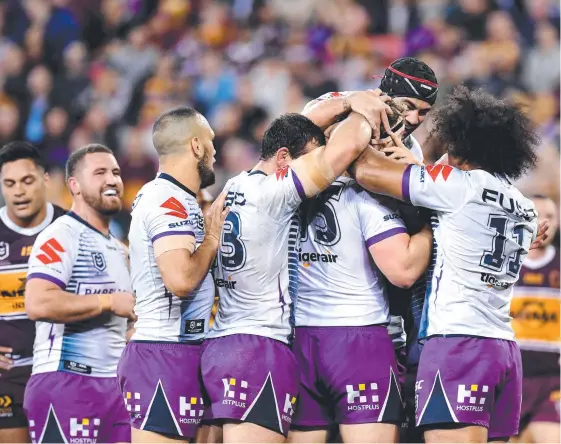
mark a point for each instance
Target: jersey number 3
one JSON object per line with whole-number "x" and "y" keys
{"x": 232, "y": 249}
{"x": 494, "y": 259}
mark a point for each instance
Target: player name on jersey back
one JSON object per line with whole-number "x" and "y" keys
{"x": 339, "y": 284}
{"x": 482, "y": 232}
{"x": 257, "y": 261}
{"x": 165, "y": 207}
{"x": 79, "y": 259}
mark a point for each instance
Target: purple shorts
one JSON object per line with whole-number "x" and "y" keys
{"x": 540, "y": 400}
{"x": 161, "y": 386}
{"x": 348, "y": 375}
{"x": 467, "y": 380}
{"x": 250, "y": 378}
{"x": 66, "y": 407}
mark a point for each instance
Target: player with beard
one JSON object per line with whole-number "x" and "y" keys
{"x": 26, "y": 214}
{"x": 413, "y": 85}
{"x": 172, "y": 250}
{"x": 78, "y": 290}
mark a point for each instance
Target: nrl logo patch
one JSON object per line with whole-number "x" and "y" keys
{"x": 4, "y": 250}
{"x": 99, "y": 261}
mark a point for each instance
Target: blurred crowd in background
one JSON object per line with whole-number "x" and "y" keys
{"x": 79, "y": 71}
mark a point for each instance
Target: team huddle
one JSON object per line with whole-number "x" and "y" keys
{"x": 360, "y": 292}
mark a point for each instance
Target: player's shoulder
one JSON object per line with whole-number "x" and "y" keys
{"x": 64, "y": 227}
{"x": 332, "y": 94}
{"x": 164, "y": 193}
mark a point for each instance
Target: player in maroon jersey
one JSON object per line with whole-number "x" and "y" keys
{"x": 24, "y": 188}
{"x": 536, "y": 322}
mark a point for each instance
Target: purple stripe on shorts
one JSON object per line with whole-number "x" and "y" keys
{"x": 380, "y": 237}
{"x": 173, "y": 233}
{"x": 47, "y": 277}
{"x": 405, "y": 184}
{"x": 298, "y": 186}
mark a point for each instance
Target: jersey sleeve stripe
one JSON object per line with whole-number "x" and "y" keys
{"x": 298, "y": 185}
{"x": 386, "y": 234}
{"x": 47, "y": 277}
{"x": 405, "y": 180}
{"x": 172, "y": 233}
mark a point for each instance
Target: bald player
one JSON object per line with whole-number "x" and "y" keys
{"x": 171, "y": 253}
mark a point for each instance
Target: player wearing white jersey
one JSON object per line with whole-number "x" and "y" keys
{"x": 248, "y": 370}
{"x": 78, "y": 290}
{"x": 470, "y": 370}
{"x": 343, "y": 311}
{"x": 171, "y": 254}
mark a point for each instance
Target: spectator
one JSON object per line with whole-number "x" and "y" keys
{"x": 55, "y": 142}
{"x": 541, "y": 72}
{"x": 39, "y": 84}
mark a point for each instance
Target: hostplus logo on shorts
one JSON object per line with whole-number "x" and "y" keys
{"x": 470, "y": 399}
{"x": 288, "y": 411}
{"x": 191, "y": 410}
{"x": 363, "y": 397}
{"x": 84, "y": 430}
{"x": 132, "y": 402}
{"x": 235, "y": 392}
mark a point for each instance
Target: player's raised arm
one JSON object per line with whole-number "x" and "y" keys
{"x": 331, "y": 107}
{"x": 181, "y": 266}
{"x": 439, "y": 187}
{"x": 50, "y": 267}
{"x": 320, "y": 167}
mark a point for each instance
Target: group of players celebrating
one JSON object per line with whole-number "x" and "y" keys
{"x": 306, "y": 251}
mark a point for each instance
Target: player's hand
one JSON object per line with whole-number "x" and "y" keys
{"x": 122, "y": 304}
{"x": 542, "y": 235}
{"x": 372, "y": 105}
{"x": 214, "y": 218}
{"x": 398, "y": 151}
{"x": 5, "y": 362}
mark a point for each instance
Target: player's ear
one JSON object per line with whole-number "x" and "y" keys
{"x": 283, "y": 157}
{"x": 74, "y": 186}
{"x": 47, "y": 179}
{"x": 197, "y": 148}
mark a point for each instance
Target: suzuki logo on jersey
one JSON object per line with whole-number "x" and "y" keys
{"x": 392, "y": 216}
{"x": 493, "y": 282}
{"x": 282, "y": 173}
{"x": 231, "y": 387}
{"x": 364, "y": 397}
{"x": 50, "y": 250}
{"x": 469, "y": 396}
{"x": 435, "y": 170}
{"x": 288, "y": 411}
{"x": 229, "y": 283}
{"x": 98, "y": 261}
{"x": 4, "y": 250}
{"x": 308, "y": 258}
{"x": 191, "y": 411}
{"x": 86, "y": 428}
{"x": 176, "y": 207}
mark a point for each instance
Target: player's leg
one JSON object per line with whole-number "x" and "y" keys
{"x": 263, "y": 393}
{"x": 456, "y": 383}
{"x": 145, "y": 436}
{"x": 13, "y": 422}
{"x": 312, "y": 416}
{"x": 506, "y": 408}
{"x": 544, "y": 424}
{"x": 158, "y": 398}
{"x": 363, "y": 377}
{"x": 209, "y": 433}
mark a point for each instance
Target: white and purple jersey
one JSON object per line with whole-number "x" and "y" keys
{"x": 339, "y": 283}
{"x": 257, "y": 262}
{"x": 80, "y": 259}
{"x": 483, "y": 229}
{"x": 165, "y": 207}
